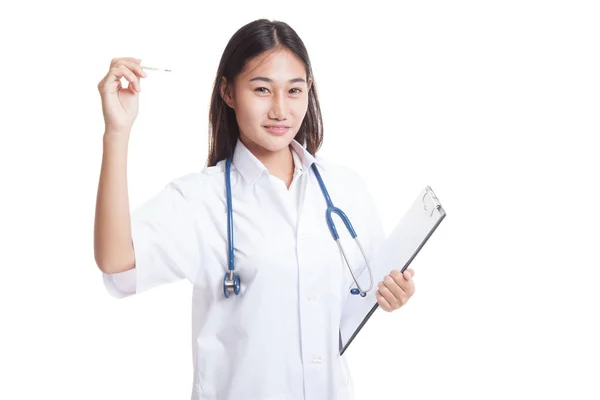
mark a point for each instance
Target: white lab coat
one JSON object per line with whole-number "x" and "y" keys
{"x": 279, "y": 338}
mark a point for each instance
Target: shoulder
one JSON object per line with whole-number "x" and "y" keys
{"x": 347, "y": 183}
{"x": 196, "y": 185}
{"x": 343, "y": 174}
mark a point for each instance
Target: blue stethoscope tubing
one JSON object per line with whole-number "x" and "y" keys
{"x": 231, "y": 281}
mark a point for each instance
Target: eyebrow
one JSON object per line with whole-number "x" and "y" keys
{"x": 265, "y": 79}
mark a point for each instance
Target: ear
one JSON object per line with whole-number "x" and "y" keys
{"x": 309, "y": 84}
{"x": 226, "y": 92}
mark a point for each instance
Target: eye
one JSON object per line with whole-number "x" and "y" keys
{"x": 263, "y": 90}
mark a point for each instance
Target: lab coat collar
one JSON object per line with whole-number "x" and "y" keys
{"x": 251, "y": 168}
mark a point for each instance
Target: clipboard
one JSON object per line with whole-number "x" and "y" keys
{"x": 399, "y": 248}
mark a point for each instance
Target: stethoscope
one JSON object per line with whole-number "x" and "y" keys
{"x": 231, "y": 281}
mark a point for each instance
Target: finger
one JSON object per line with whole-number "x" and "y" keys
{"x": 391, "y": 297}
{"x": 111, "y": 83}
{"x": 131, "y": 63}
{"x": 409, "y": 286}
{"x": 394, "y": 286}
{"x": 383, "y": 303}
{"x": 136, "y": 67}
{"x": 116, "y": 61}
{"x": 122, "y": 71}
{"x": 409, "y": 273}
{"x": 401, "y": 279}
{"x": 397, "y": 275}
{"x": 400, "y": 292}
{"x": 406, "y": 285}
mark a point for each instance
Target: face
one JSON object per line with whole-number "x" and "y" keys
{"x": 270, "y": 99}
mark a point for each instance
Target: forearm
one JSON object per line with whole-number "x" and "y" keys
{"x": 113, "y": 248}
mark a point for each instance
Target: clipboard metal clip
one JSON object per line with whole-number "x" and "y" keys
{"x": 434, "y": 203}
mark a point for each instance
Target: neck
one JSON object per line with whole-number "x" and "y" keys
{"x": 279, "y": 164}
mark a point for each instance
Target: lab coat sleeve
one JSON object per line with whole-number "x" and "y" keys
{"x": 166, "y": 237}
{"x": 356, "y": 307}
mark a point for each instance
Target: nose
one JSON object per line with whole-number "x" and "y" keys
{"x": 278, "y": 107}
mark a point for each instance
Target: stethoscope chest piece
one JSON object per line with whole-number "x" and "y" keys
{"x": 231, "y": 283}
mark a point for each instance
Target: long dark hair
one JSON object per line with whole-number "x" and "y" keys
{"x": 248, "y": 42}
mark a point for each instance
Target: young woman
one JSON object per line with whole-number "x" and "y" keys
{"x": 270, "y": 287}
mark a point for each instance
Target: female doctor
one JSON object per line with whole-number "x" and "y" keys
{"x": 250, "y": 231}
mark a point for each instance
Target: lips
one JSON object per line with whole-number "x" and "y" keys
{"x": 277, "y": 130}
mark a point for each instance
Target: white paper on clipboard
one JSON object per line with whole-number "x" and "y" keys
{"x": 396, "y": 252}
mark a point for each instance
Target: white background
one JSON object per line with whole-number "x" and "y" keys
{"x": 493, "y": 104}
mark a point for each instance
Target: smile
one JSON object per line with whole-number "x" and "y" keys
{"x": 276, "y": 130}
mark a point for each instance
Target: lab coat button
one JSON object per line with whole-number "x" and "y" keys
{"x": 317, "y": 360}
{"x": 312, "y": 299}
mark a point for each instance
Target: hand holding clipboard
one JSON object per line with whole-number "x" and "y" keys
{"x": 400, "y": 248}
